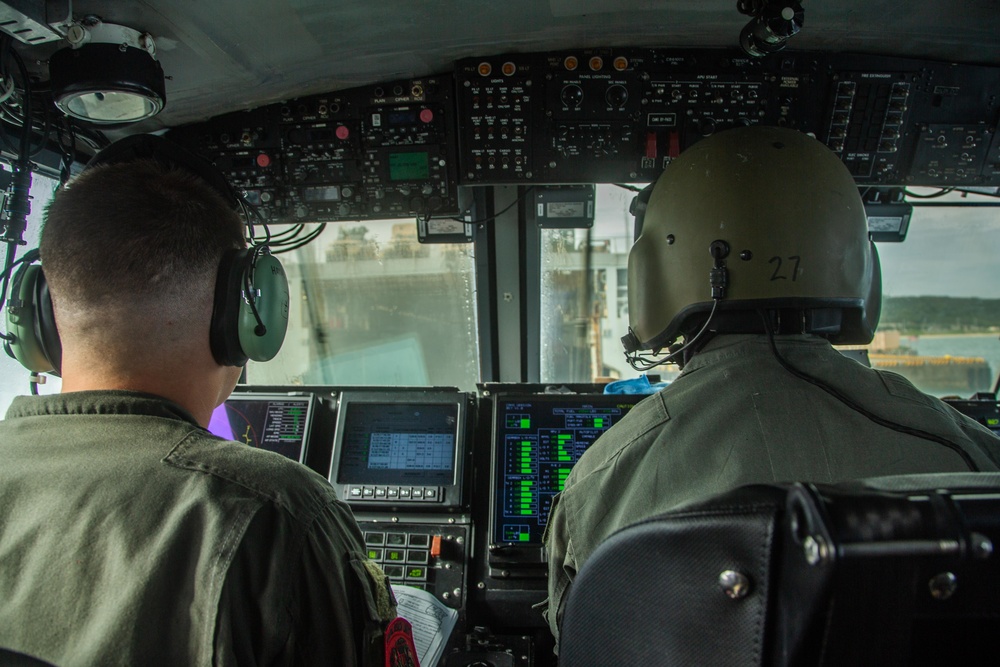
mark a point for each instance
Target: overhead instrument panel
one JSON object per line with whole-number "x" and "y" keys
{"x": 381, "y": 151}
{"x": 400, "y": 149}
{"x": 613, "y": 115}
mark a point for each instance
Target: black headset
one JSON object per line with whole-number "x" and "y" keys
{"x": 250, "y": 310}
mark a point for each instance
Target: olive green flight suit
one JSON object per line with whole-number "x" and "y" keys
{"x": 736, "y": 417}
{"x": 129, "y": 535}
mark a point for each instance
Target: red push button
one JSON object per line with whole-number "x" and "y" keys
{"x": 263, "y": 160}
{"x": 426, "y": 115}
{"x": 343, "y": 132}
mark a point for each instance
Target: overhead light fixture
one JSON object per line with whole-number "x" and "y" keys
{"x": 773, "y": 23}
{"x": 108, "y": 75}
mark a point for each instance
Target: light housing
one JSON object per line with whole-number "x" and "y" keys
{"x": 108, "y": 75}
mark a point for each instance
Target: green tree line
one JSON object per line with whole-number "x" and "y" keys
{"x": 939, "y": 314}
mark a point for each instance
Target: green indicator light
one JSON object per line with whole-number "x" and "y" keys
{"x": 599, "y": 423}
{"x": 992, "y": 421}
{"x": 525, "y": 423}
{"x": 523, "y": 537}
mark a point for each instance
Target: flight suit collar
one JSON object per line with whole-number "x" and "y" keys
{"x": 99, "y": 402}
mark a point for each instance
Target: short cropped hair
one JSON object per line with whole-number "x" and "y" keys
{"x": 134, "y": 230}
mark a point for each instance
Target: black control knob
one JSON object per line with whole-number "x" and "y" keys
{"x": 572, "y": 95}
{"x": 616, "y": 96}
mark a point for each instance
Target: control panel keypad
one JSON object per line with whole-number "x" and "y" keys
{"x": 404, "y": 557}
{"x": 432, "y": 557}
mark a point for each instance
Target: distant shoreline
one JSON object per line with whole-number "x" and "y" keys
{"x": 954, "y": 335}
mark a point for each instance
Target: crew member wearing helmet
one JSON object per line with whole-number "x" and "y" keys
{"x": 753, "y": 258}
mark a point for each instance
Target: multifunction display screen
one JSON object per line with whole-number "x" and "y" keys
{"x": 536, "y": 442}
{"x": 275, "y": 423}
{"x": 398, "y": 443}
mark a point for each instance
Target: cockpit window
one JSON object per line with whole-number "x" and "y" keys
{"x": 940, "y": 323}
{"x": 370, "y": 305}
{"x": 584, "y": 315}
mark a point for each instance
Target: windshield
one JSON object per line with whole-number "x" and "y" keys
{"x": 370, "y": 305}
{"x": 940, "y": 324}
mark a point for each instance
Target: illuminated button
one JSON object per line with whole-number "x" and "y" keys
{"x": 395, "y": 555}
{"x": 419, "y": 540}
{"x": 392, "y": 492}
{"x": 404, "y": 492}
{"x": 263, "y": 160}
{"x": 596, "y": 63}
{"x": 621, "y": 63}
{"x": 485, "y": 69}
{"x": 374, "y": 554}
{"x": 354, "y": 492}
{"x": 508, "y": 68}
{"x": 396, "y": 539}
{"x": 393, "y": 571}
{"x": 416, "y": 573}
{"x": 417, "y": 493}
{"x": 571, "y": 63}
{"x": 367, "y": 492}
{"x": 343, "y": 132}
{"x": 429, "y": 493}
{"x": 418, "y": 556}
{"x": 375, "y": 538}
{"x": 380, "y": 492}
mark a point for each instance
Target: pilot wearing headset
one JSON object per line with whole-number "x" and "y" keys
{"x": 129, "y": 534}
{"x": 753, "y": 258}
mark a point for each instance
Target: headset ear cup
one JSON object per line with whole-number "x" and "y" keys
{"x": 638, "y": 209}
{"x": 873, "y": 304}
{"x": 31, "y": 323}
{"x": 45, "y": 325}
{"x": 224, "y": 331}
{"x": 261, "y": 335}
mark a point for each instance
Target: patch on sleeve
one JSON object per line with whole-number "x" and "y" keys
{"x": 399, "y": 648}
{"x": 385, "y": 601}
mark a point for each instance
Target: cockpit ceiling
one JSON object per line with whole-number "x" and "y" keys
{"x": 227, "y": 55}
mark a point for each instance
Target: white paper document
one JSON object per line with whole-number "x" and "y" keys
{"x": 431, "y": 619}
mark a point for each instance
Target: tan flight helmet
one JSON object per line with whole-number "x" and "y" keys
{"x": 753, "y": 219}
